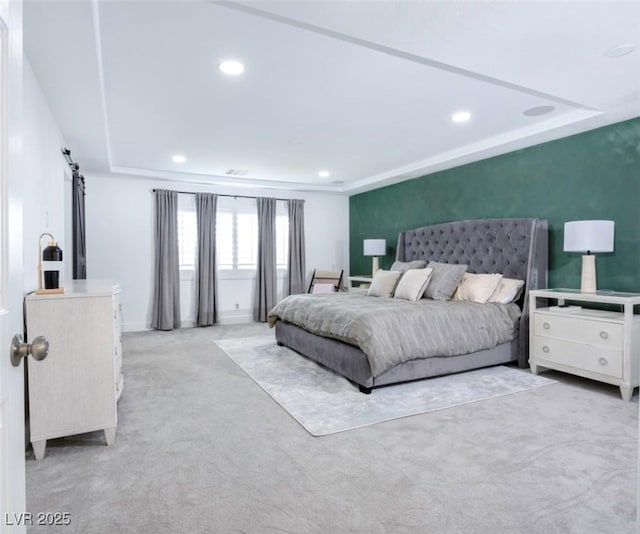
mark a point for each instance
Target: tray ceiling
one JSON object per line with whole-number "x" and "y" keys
{"x": 362, "y": 90}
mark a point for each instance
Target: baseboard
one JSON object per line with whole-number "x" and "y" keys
{"x": 135, "y": 327}
{"x": 144, "y": 327}
{"x": 233, "y": 317}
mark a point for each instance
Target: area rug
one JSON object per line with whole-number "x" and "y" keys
{"x": 324, "y": 403}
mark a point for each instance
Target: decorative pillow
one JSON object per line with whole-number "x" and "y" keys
{"x": 477, "y": 287}
{"x": 384, "y": 282}
{"x": 444, "y": 279}
{"x": 413, "y": 284}
{"x": 509, "y": 290}
{"x": 406, "y": 265}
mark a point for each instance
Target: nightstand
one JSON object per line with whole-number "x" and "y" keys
{"x": 364, "y": 281}
{"x": 597, "y": 344}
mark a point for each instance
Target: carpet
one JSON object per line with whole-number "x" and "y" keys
{"x": 201, "y": 449}
{"x": 324, "y": 402}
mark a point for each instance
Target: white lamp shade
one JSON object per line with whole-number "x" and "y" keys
{"x": 588, "y": 236}
{"x": 375, "y": 247}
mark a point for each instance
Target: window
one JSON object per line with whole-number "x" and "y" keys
{"x": 224, "y": 239}
{"x": 236, "y": 234}
{"x": 246, "y": 240}
{"x": 282, "y": 235}
{"x": 187, "y": 232}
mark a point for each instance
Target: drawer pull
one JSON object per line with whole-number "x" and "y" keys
{"x": 602, "y": 361}
{"x": 545, "y": 348}
{"x": 604, "y": 335}
{"x": 546, "y": 326}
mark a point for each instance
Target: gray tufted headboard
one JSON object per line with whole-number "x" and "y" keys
{"x": 517, "y": 248}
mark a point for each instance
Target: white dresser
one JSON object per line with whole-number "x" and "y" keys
{"x": 76, "y": 388}
{"x": 598, "y": 344}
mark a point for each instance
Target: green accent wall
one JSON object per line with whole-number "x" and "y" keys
{"x": 592, "y": 175}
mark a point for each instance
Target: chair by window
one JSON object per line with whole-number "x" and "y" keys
{"x": 326, "y": 281}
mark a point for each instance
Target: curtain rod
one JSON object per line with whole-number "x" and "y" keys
{"x": 67, "y": 155}
{"x": 75, "y": 168}
{"x": 223, "y": 195}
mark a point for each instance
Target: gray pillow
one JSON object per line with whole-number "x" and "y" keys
{"x": 444, "y": 280}
{"x": 406, "y": 265}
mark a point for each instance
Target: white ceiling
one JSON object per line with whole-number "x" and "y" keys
{"x": 362, "y": 89}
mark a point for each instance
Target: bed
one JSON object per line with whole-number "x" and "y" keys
{"x": 516, "y": 248}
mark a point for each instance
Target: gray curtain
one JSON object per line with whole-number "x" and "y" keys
{"x": 265, "y": 294}
{"x": 296, "y": 270}
{"x": 166, "y": 292}
{"x": 207, "y": 283}
{"x": 79, "y": 256}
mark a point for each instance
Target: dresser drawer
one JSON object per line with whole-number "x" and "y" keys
{"x": 600, "y": 360}
{"x": 591, "y": 332}
{"x": 117, "y": 315}
{"x": 119, "y": 386}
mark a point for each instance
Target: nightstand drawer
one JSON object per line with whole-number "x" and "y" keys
{"x": 600, "y": 360}
{"x": 603, "y": 334}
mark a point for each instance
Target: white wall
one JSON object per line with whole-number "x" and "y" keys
{"x": 46, "y": 206}
{"x": 119, "y": 215}
{"x": 120, "y": 222}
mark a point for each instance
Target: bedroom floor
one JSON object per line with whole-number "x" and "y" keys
{"x": 201, "y": 448}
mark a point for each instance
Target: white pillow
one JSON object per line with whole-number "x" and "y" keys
{"x": 384, "y": 282}
{"x": 413, "y": 283}
{"x": 508, "y": 290}
{"x": 477, "y": 287}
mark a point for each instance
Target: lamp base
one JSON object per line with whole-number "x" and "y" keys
{"x": 588, "y": 284}
{"x": 56, "y": 291}
{"x": 375, "y": 267}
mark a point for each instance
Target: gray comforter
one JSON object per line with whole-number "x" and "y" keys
{"x": 391, "y": 331}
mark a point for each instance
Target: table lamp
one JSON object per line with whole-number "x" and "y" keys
{"x": 375, "y": 248}
{"x": 588, "y": 236}
{"x": 51, "y": 257}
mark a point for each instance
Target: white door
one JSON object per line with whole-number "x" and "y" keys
{"x": 12, "y": 446}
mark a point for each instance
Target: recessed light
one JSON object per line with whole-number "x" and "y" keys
{"x": 231, "y": 67}
{"x": 461, "y": 116}
{"x": 538, "y": 110}
{"x": 324, "y": 174}
{"x": 178, "y": 158}
{"x": 620, "y": 50}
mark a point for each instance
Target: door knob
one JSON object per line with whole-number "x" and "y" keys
{"x": 19, "y": 349}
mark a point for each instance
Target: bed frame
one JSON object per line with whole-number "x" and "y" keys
{"x": 517, "y": 248}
